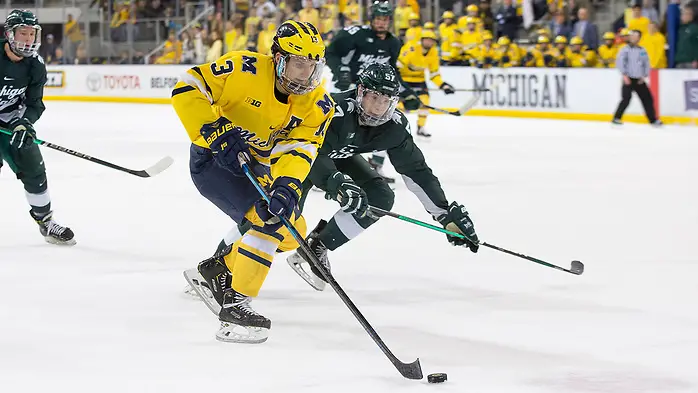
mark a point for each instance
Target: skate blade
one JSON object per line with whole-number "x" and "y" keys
{"x": 232, "y": 333}
{"x": 57, "y": 242}
{"x": 302, "y": 268}
{"x": 194, "y": 279}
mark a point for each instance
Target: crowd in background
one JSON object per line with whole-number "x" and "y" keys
{"x": 483, "y": 33}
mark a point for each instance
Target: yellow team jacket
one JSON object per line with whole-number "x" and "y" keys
{"x": 508, "y": 56}
{"x": 463, "y": 23}
{"x": 485, "y": 57}
{"x": 412, "y": 63}
{"x": 469, "y": 40}
{"x": 240, "y": 86}
{"x": 450, "y": 42}
{"x": 539, "y": 57}
{"x": 607, "y": 56}
{"x": 412, "y": 34}
{"x": 655, "y": 44}
{"x": 582, "y": 59}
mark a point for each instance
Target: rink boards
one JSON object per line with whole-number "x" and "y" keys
{"x": 548, "y": 93}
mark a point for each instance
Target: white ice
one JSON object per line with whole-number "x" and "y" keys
{"x": 108, "y": 315}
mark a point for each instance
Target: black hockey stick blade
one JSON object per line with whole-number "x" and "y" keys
{"x": 408, "y": 370}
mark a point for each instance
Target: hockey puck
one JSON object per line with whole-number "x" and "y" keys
{"x": 437, "y": 377}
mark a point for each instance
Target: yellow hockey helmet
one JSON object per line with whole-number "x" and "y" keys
{"x": 471, "y": 8}
{"x": 413, "y": 16}
{"x": 299, "y": 44}
{"x": 487, "y": 35}
{"x": 543, "y": 39}
{"x": 503, "y": 41}
{"x": 561, "y": 39}
{"x": 448, "y": 15}
{"x": 609, "y": 36}
{"x": 470, "y": 20}
{"x": 576, "y": 41}
{"x": 428, "y": 34}
{"x": 429, "y": 26}
{"x": 624, "y": 32}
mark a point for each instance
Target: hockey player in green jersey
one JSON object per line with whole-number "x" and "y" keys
{"x": 366, "y": 120}
{"x": 23, "y": 76}
{"x": 356, "y": 47}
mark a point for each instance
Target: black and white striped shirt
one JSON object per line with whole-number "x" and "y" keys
{"x": 633, "y": 62}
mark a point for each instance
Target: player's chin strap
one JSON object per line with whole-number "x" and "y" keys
{"x": 408, "y": 370}
{"x": 577, "y": 267}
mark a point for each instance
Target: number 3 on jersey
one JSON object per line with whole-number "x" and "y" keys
{"x": 218, "y": 70}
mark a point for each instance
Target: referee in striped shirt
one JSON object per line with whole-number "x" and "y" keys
{"x": 634, "y": 63}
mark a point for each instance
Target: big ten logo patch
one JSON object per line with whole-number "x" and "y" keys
{"x": 55, "y": 79}
{"x": 253, "y": 102}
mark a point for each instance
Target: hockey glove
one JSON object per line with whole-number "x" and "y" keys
{"x": 343, "y": 78}
{"x": 226, "y": 144}
{"x": 284, "y": 195}
{"x": 456, "y": 220}
{"x": 412, "y": 103}
{"x": 448, "y": 89}
{"x": 23, "y": 134}
{"x": 352, "y": 198}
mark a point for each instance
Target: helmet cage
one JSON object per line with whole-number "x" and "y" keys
{"x": 369, "y": 119}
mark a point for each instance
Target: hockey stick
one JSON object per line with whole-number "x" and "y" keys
{"x": 466, "y": 90}
{"x": 408, "y": 370}
{"x": 576, "y": 268}
{"x": 463, "y": 109}
{"x": 153, "y": 170}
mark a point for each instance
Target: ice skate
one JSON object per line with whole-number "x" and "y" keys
{"x": 301, "y": 264}
{"x": 52, "y": 231}
{"x": 210, "y": 281}
{"x": 421, "y": 131}
{"x": 240, "y": 323}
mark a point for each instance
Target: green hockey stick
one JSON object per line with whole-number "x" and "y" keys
{"x": 148, "y": 172}
{"x": 577, "y": 266}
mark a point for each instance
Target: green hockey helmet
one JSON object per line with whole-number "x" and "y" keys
{"x": 381, "y": 8}
{"x": 377, "y": 94}
{"x": 23, "y": 42}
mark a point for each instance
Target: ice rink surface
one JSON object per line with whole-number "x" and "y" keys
{"x": 108, "y": 315}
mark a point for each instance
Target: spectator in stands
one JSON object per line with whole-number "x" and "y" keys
{"x": 230, "y": 36}
{"x": 309, "y": 14}
{"x": 118, "y": 22}
{"x": 636, "y": 21}
{"x": 508, "y": 20}
{"x": 352, "y": 13}
{"x": 252, "y": 25}
{"x": 655, "y": 44}
{"x": 586, "y": 30}
{"x": 48, "y": 48}
{"x": 215, "y": 49}
{"x": 170, "y": 23}
{"x": 188, "y": 49}
{"x": 687, "y": 45}
{"x": 241, "y": 39}
{"x": 172, "y": 52}
{"x": 559, "y": 26}
{"x": 264, "y": 8}
{"x": 572, "y": 10}
{"x": 328, "y": 23}
{"x": 486, "y": 15}
{"x": 650, "y": 11}
{"x": 81, "y": 55}
{"x": 73, "y": 34}
{"x": 265, "y": 37}
{"x": 198, "y": 35}
{"x": 401, "y": 17}
{"x": 57, "y": 57}
{"x": 216, "y": 24}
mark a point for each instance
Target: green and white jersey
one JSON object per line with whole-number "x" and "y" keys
{"x": 21, "y": 87}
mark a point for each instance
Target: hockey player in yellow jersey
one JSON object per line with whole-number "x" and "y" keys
{"x": 470, "y": 38}
{"x": 486, "y": 53}
{"x": 580, "y": 56}
{"x": 415, "y": 30}
{"x": 608, "y": 51}
{"x": 563, "y": 52}
{"x": 450, "y": 39}
{"x": 414, "y": 60}
{"x": 272, "y": 111}
{"x": 471, "y": 13}
{"x": 508, "y": 54}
